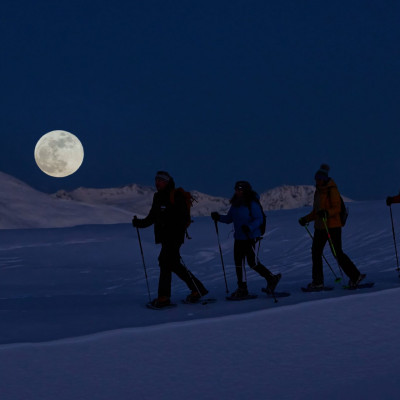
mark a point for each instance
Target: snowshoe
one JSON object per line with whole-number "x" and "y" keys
{"x": 200, "y": 301}
{"x": 193, "y": 297}
{"x": 312, "y": 287}
{"x": 241, "y": 293}
{"x": 275, "y": 294}
{"x": 160, "y": 303}
{"x": 365, "y": 285}
{"x": 354, "y": 285}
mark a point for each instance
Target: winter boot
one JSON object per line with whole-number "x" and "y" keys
{"x": 354, "y": 284}
{"x": 315, "y": 286}
{"x": 161, "y": 301}
{"x": 193, "y": 297}
{"x": 241, "y": 291}
{"x": 272, "y": 281}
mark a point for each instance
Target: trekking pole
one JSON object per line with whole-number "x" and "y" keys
{"x": 220, "y": 252}
{"x": 190, "y": 276}
{"x": 144, "y": 265}
{"x": 331, "y": 244}
{"x": 337, "y": 278}
{"x": 394, "y": 240}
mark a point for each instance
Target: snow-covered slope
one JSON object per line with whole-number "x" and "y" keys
{"x": 133, "y": 198}
{"x": 21, "y": 206}
{"x": 74, "y": 323}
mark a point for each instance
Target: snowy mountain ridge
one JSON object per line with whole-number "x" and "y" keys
{"x": 138, "y": 199}
{"x": 24, "y": 207}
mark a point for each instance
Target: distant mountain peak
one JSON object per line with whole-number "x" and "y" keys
{"x": 287, "y": 197}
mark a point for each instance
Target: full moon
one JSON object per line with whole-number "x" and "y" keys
{"x": 59, "y": 153}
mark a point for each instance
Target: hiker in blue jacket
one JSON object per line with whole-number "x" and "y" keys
{"x": 247, "y": 217}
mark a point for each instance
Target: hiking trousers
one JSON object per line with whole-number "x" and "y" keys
{"x": 170, "y": 261}
{"x": 319, "y": 242}
{"x": 246, "y": 249}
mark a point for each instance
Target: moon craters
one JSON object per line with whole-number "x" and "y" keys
{"x": 59, "y": 153}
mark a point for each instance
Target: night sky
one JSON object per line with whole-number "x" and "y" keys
{"x": 211, "y": 91}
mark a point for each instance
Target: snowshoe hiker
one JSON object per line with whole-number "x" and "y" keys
{"x": 328, "y": 226}
{"x": 169, "y": 215}
{"x": 248, "y": 219}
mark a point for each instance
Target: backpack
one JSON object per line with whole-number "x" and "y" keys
{"x": 264, "y": 222}
{"x": 189, "y": 200}
{"x": 344, "y": 211}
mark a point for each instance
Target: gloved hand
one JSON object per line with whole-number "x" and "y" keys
{"x": 246, "y": 229}
{"x": 389, "y": 200}
{"x": 303, "y": 221}
{"x": 215, "y": 216}
{"x": 135, "y": 221}
{"x": 322, "y": 214}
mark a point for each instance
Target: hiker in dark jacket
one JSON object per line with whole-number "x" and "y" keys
{"x": 326, "y": 214}
{"x": 169, "y": 214}
{"x": 247, "y": 218}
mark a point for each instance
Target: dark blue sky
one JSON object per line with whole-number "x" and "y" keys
{"x": 212, "y": 91}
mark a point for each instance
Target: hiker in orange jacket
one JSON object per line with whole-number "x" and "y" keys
{"x": 326, "y": 216}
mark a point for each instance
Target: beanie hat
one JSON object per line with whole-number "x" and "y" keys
{"x": 323, "y": 172}
{"x": 243, "y": 185}
{"x": 163, "y": 175}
